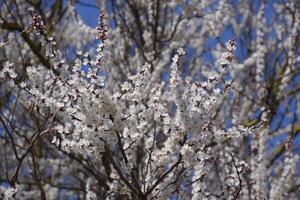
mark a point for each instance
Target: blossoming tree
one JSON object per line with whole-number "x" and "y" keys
{"x": 156, "y": 102}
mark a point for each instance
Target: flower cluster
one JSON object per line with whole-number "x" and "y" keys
{"x": 101, "y": 28}
{"x": 38, "y": 23}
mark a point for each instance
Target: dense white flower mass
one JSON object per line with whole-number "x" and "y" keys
{"x": 7, "y": 193}
{"x": 156, "y": 102}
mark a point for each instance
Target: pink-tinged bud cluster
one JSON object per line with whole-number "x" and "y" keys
{"x": 101, "y": 28}
{"x": 230, "y": 47}
{"x": 38, "y": 23}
